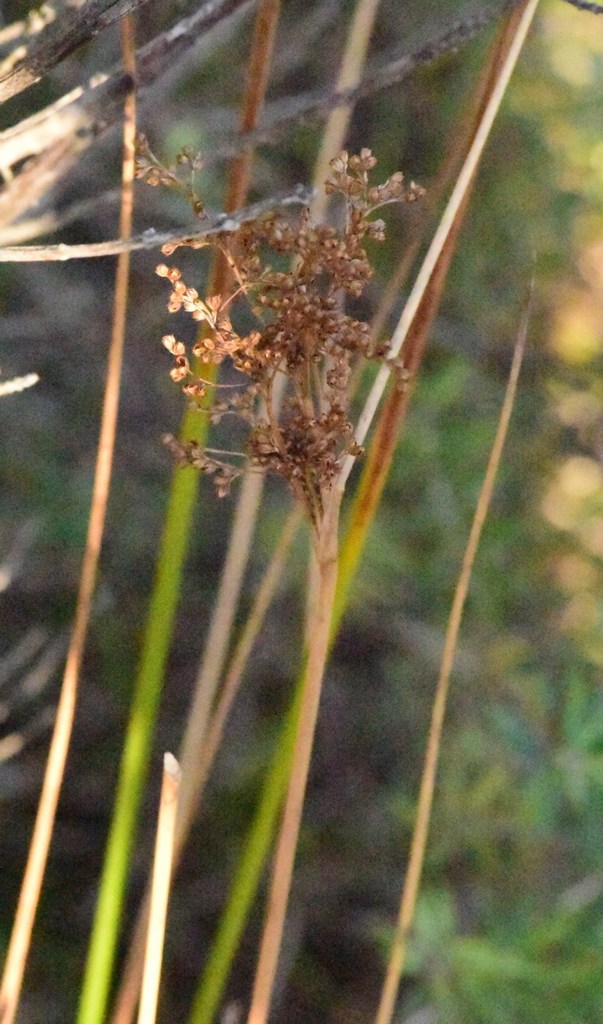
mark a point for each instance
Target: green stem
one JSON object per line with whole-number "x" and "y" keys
{"x": 137, "y": 748}
{"x": 251, "y": 864}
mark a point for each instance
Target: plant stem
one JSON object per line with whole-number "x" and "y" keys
{"x": 319, "y": 642}
{"x": 160, "y": 889}
{"x": 419, "y": 839}
{"x": 130, "y": 983}
{"x": 433, "y": 253}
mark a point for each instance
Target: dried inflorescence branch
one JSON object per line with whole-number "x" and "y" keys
{"x": 150, "y": 170}
{"x": 299, "y": 333}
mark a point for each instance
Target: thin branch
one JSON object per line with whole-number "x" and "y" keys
{"x": 160, "y": 889}
{"x": 38, "y": 853}
{"x": 428, "y": 778}
{"x": 15, "y": 384}
{"x": 89, "y": 113}
{"x": 58, "y": 40}
{"x": 152, "y": 239}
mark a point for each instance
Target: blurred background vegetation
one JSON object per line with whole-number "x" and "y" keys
{"x": 509, "y": 927}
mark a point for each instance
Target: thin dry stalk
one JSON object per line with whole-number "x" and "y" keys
{"x": 221, "y": 624}
{"x": 327, "y": 544}
{"x": 395, "y": 407}
{"x": 459, "y": 145}
{"x": 160, "y": 890}
{"x": 238, "y": 661}
{"x": 428, "y": 778}
{"x": 350, "y": 74}
{"x": 38, "y": 852}
{"x": 463, "y": 183}
{"x": 212, "y": 663}
{"x": 332, "y": 143}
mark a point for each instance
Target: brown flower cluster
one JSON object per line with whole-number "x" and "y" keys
{"x": 298, "y": 356}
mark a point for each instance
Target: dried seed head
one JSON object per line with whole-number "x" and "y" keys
{"x": 301, "y": 331}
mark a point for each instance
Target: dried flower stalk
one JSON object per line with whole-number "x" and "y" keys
{"x": 294, "y": 336}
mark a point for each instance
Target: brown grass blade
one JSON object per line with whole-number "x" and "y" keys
{"x": 463, "y": 183}
{"x": 395, "y": 407}
{"x": 38, "y": 853}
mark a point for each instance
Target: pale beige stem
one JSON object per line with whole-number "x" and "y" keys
{"x": 218, "y": 636}
{"x": 59, "y": 745}
{"x": 327, "y": 555}
{"x": 245, "y": 518}
{"x": 463, "y": 183}
{"x": 419, "y": 839}
{"x": 232, "y": 679}
{"x": 160, "y": 890}
{"x": 350, "y": 74}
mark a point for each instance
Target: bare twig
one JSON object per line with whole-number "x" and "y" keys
{"x": 11, "y": 387}
{"x": 152, "y": 239}
{"x": 58, "y": 40}
{"x": 428, "y": 778}
{"x": 586, "y": 5}
{"x": 89, "y": 112}
{"x": 310, "y": 107}
{"x": 51, "y": 140}
{"x": 160, "y": 889}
